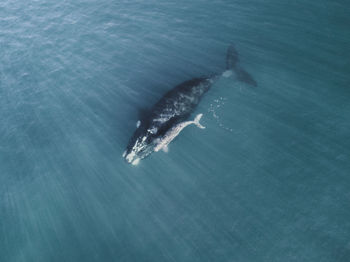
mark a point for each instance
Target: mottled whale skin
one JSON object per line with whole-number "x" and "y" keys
{"x": 173, "y": 108}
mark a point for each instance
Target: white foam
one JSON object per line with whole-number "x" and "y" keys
{"x": 124, "y": 154}
{"x": 138, "y": 123}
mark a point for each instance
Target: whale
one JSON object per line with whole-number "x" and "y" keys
{"x": 175, "y": 107}
{"x": 163, "y": 143}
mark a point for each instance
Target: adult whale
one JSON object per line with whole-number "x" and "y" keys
{"x": 175, "y": 107}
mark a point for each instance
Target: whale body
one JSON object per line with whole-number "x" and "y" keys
{"x": 175, "y": 107}
{"x": 174, "y": 132}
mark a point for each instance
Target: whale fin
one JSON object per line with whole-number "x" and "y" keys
{"x": 232, "y": 63}
{"x": 231, "y": 58}
{"x": 196, "y": 121}
{"x": 165, "y": 149}
{"x": 244, "y": 76}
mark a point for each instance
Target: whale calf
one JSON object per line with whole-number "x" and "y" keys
{"x": 174, "y": 132}
{"x": 174, "y": 108}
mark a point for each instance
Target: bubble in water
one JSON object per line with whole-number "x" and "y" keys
{"x": 218, "y": 103}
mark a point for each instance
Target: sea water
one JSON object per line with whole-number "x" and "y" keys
{"x": 267, "y": 180}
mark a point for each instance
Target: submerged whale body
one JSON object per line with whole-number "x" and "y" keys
{"x": 173, "y": 108}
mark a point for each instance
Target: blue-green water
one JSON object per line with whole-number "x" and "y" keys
{"x": 267, "y": 180}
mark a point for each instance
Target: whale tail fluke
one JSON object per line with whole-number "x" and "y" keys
{"x": 232, "y": 58}
{"x": 232, "y": 63}
{"x": 196, "y": 121}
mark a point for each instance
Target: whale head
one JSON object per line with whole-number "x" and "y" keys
{"x": 141, "y": 144}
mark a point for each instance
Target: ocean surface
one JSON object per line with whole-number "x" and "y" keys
{"x": 267, "y": 180}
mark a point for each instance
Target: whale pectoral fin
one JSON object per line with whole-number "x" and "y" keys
{"x": 168, "y": 124}
{"x": 165, "y": 149}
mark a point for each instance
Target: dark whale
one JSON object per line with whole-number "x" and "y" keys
{"x": 175, "y": 107}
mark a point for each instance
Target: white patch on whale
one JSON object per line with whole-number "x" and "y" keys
{"x": 124, "y": 154}
{"x": 227, "y": 73}
{"x": 130, "y": 156}
{"x": 153, "y": 130}
{"x": 136, "y": 162}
